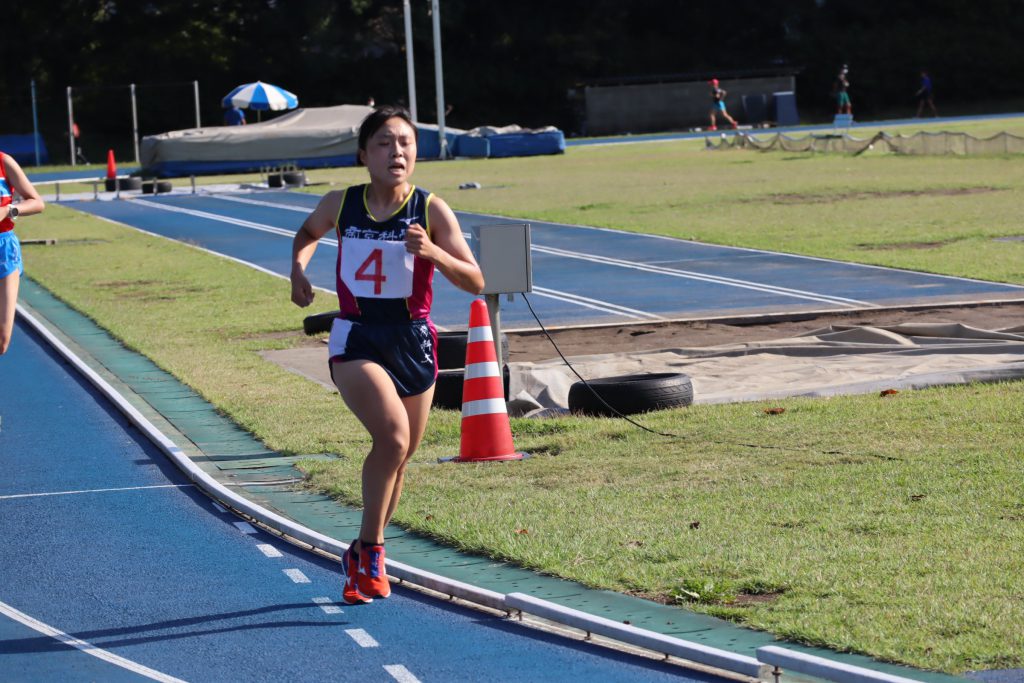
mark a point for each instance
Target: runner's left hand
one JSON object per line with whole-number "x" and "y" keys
{"x": 417, "y": 242}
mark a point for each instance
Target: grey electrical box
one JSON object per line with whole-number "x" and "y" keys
{"x": 503, "y": 250}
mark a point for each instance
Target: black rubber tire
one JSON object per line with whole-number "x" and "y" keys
{"x": 631, "y": 394}
{"x": 451, "y": 349}
{"x": 448, "y": 388}
{"x": 149, "y": 186}
{"x": 275, "y": 180}
{"x": 110, "y": 184}
{"x": 129, "y": 183}
{"x": 294, "y": 178}
{"x": 318, "y": 323}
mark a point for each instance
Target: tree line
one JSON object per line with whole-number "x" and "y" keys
{"x": 503, "y": 62}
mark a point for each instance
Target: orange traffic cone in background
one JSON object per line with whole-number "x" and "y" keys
{"x": 111, "y": 183}
{"x": 486, "y": 433}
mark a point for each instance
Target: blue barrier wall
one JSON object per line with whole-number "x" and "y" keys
{"x": 23, "y": 148}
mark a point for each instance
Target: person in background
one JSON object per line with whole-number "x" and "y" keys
{"x": 382, "y": 350}
{"x": 234, "y": 116}
{"x": 370, "y": 102}
{"x": 841, "y": 89}
{"x": 76, "y": 134}
{"x": 12, "y": 181}
{"x": 925, "y": 96}
{"x": 718, "y": 105}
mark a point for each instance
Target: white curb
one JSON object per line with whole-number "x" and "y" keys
{"x": 829, "y": 669}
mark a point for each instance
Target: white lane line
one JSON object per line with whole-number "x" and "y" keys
{"x": 218, "y": 507}
{"x": 245, "y": 527}
{"x": 258, "y": 202}
{"x": 262, "y": 227}
{"x": 327, "y": 605}
{"x": 296, "y": 575}
{"x": 564, "y": 253}
{"x": 550, "y": 293}
{"x": 595, "y": 304}
{"x": 218, "y": 254}
{"x": 704, "y": 277}
{"x": 269, "y": 550}
{"x": 71, "y": 493}
{"x": 85, "y": 647}
{"x": 362, "y": 638}
{"x": 400, "y": 673}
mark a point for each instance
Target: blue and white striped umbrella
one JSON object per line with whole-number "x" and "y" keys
{"x": 261, "y": 96}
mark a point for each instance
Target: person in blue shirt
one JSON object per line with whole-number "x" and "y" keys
{"x": 924, "y": 95}
{"x": 234, "y": 117}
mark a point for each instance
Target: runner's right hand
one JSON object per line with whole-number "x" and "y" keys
{"x": 302, "y": 290}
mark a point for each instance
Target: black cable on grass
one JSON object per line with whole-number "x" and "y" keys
{"x": 586, "y": 384}
{"x": 670, "y": 434}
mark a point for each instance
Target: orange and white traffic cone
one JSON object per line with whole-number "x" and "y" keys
{"x": 486, "y": 432}
{"x": 111, "y": 183}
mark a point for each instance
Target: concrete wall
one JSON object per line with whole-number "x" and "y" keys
{"x": 670, "y": 106}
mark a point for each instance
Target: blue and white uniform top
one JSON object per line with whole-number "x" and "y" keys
{"x": 377, "y": 279}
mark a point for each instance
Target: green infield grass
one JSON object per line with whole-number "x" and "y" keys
{"x": 891, "y": 526}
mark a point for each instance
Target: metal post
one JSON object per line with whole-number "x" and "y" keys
{"x": 135, "y": 125}
{"x": 195, "y": 89}
{"x": 35, "y": 120}
{"x": 410, "y": 67}
{"x": 71, "y": 128}
{"x": 435, "y": 8}
{"x": 494, "y": 311}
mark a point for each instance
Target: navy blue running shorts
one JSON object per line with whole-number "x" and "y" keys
{"x": 406, "y": 350}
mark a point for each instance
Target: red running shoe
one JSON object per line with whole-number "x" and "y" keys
{"x": 372, "y": 580}
{"x": 350, "y": 568}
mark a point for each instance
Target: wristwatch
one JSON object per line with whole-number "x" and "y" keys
{"x": 12, "y": 213}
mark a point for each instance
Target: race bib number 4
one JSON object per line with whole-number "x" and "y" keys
{"x": 376, "y": 268}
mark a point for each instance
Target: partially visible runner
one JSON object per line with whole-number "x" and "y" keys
{"x": 718, "y": 105}
{"x": 840, "y": 88}
{"x": 383, "y": 357}
{"x": 12, "y": 180}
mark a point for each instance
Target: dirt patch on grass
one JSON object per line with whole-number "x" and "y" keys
{"x": 827, "y": 197}
{"x": 745, "y": 599}
{"x": 120, "y": 284}
{"x": 297, "y": 339}
{"x": 905, "y": 245}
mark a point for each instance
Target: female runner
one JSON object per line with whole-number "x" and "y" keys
{"x": 12, "y": 180}
{"x": 383, "y": 359}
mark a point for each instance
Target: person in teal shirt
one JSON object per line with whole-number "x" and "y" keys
{"x": 841, "y": 89}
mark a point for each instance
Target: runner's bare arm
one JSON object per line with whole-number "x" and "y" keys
{"x": 446, "y": 247}
{"x": 31, "y": 203}
{"x": 316, "y": 225}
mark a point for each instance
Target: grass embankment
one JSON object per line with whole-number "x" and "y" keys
{"x": 890, "y": 526}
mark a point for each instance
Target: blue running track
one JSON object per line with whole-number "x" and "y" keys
{"x": 581, "y": 275}
{"x": 108, "y": 543}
